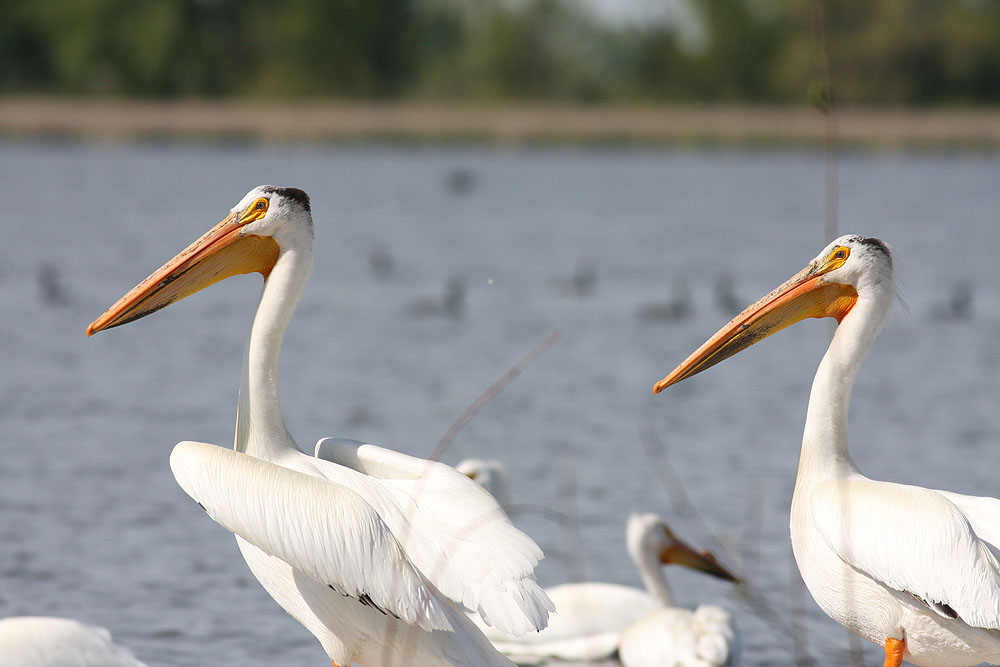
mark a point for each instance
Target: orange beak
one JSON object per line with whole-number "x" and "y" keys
{"x": 222, "y": 252}
{"x": 679, "y": 553}
{"x": 803, "y": 295}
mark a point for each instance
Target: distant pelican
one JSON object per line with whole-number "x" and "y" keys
{"x": 490, "y": 474}
{"x": 914, "y": 570}
{"x": 725, "y": 294}
{"x": 381, "y": 262}
{"x": 461, "y": 181}
{"x": 702, "y": 637}
{"x": 41, "y": 641}
{"x": 591, "y": 617}
{"x": 374, "y": 552}
{"x": 583, "y": 282}
{"x": 678, "y": 308}
{"x": 451, "y": 304}
{"x": 959, "y": 304}
{"x": 50, "y": 285}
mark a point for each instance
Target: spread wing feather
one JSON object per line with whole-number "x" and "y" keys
{"x": 452, "y": 530}
{"x": 322, "y": 529}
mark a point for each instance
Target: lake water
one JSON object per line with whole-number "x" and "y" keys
{"x": 93, "y": 526}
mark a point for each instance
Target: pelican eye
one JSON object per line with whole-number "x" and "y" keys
{"x": 255, "y": 211}
{"x": 836, "y": 259}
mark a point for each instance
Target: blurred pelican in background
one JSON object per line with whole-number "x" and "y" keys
{"x": 451, "y": 304}
{"x": 913, "y": 570}
{"x": 377, "y": 553}
{"x": 958, "y": 305}
{"x": 677, "y": 308}
{"x": 582, "y": 283}
{"x": 594, "y": 620}
{"x": 490, "y": 474}
{"x": 725, "y": 295}
{"x": 45, "y": 641}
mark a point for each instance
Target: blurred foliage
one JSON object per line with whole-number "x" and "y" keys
{"x": 762, "y": 51}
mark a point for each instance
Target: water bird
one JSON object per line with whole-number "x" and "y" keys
{"x": 450, "y": 305}
{"x": 725, "y": 294}
{"x": 959, "y": 304}
{"x": 377, "y": 553}
{"x": 381, "y": 262}
{"x": 50, "y": 285}
{"x": 913, "y": 570}
{"x": 582, "y": 283}
{"x": 461, "y": 181}
{"x": 45, "y": 641}
{"x": 701, "y": 637}
{"x": 594, "y": 620}
{"x": 678, "y": 308}
{"x": 491, "y": 474}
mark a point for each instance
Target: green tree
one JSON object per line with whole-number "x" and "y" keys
{"x": 895, "y": 51}
{"x": 316, "y": 47}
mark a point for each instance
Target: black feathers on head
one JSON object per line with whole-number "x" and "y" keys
{"x": 873, "y": 242}
{"x": 295, "y": 195}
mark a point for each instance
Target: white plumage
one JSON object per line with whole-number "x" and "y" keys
{"x": 377, "y": 553}
{"x": 702, "y": 637}
{"x": 490, "y": 474}
{"x": 594, "y": 620}
{"x": 912, "y": 569}
{"x": 41, "y": 641}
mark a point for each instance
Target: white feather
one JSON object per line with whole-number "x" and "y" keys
{"x": 677, "y": 637}
{"x": 39, "y": 641}
{"x": 453, "y": 531}
{"x": 913, "y": 540}
{"x": 319, "y": 528}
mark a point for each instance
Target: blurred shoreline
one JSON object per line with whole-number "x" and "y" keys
{"x": 505, "y": 123}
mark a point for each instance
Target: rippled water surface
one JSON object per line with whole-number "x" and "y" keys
{"x": 93, "y": 526}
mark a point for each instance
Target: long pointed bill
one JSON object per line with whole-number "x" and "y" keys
{"x": 222, "y": 252}
{"x": 801, "y": 296}
{"x": 680, "y": 553}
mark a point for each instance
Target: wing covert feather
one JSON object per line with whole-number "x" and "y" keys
{"x": 911, "y": 539}
{"x": 322, "y": 529}
{"x": 982, "y": 512}
{"x": 452, "y": 530}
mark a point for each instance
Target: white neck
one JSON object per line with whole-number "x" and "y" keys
{"x": 824, "y": 443}
{"x": 653, "y": 578}
{"x": 260, "y": 427}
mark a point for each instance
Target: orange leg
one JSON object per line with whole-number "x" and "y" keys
{"x": 894, "y": 652}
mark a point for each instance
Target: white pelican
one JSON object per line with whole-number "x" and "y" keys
{"x": 490, "y": 474}
{"x": 914, "y": 570}
{"x": 678, "y": 637}
{"x": 41, "y": 641}
{"x": 590, "y": 617}
{"x": 374, "y": 552}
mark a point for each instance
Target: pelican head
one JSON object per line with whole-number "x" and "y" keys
{"x": 266, "y": 221}
{"x": 648, "y": 534}
{"x": 491, "y": 474}
{"x": 827, "y": 287}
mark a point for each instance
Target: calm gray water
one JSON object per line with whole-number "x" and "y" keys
{"x": 93, "y": 526}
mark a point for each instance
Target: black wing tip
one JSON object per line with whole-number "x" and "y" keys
{"x": 940, "y": 608}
